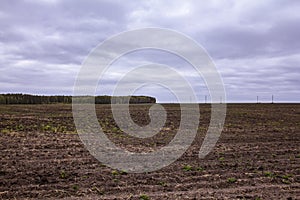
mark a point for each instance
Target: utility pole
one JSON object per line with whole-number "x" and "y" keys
{"x": 205, "y": 99}
{"x": 272, "y": 98}
{"x": 221, "y": 100}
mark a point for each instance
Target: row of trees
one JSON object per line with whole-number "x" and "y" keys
{"x": 37, "y": 99}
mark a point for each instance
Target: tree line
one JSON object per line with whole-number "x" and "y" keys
{"x": 41, "y": 99}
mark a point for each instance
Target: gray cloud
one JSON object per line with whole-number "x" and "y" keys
{"x": 254, "y": 44}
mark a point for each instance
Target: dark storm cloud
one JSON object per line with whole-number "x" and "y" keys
{"x": 254, "y": 44}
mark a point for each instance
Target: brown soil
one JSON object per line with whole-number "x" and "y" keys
{"x": 257, "y": 156}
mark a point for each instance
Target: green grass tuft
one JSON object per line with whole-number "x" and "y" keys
{"x": 187, "y": 168}
{"x": 231, "y": 180}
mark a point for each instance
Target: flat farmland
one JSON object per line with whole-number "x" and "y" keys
{"x": 256, "y": 157}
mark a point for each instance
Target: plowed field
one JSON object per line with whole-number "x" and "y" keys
{"x": 256, "y": 157}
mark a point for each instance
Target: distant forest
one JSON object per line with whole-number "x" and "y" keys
{"x": 38, "y": 99}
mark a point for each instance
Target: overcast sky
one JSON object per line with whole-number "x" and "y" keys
{"x": 254, "y": 44}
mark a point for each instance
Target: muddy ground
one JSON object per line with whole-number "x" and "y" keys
{"x": 256, "y": 157}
